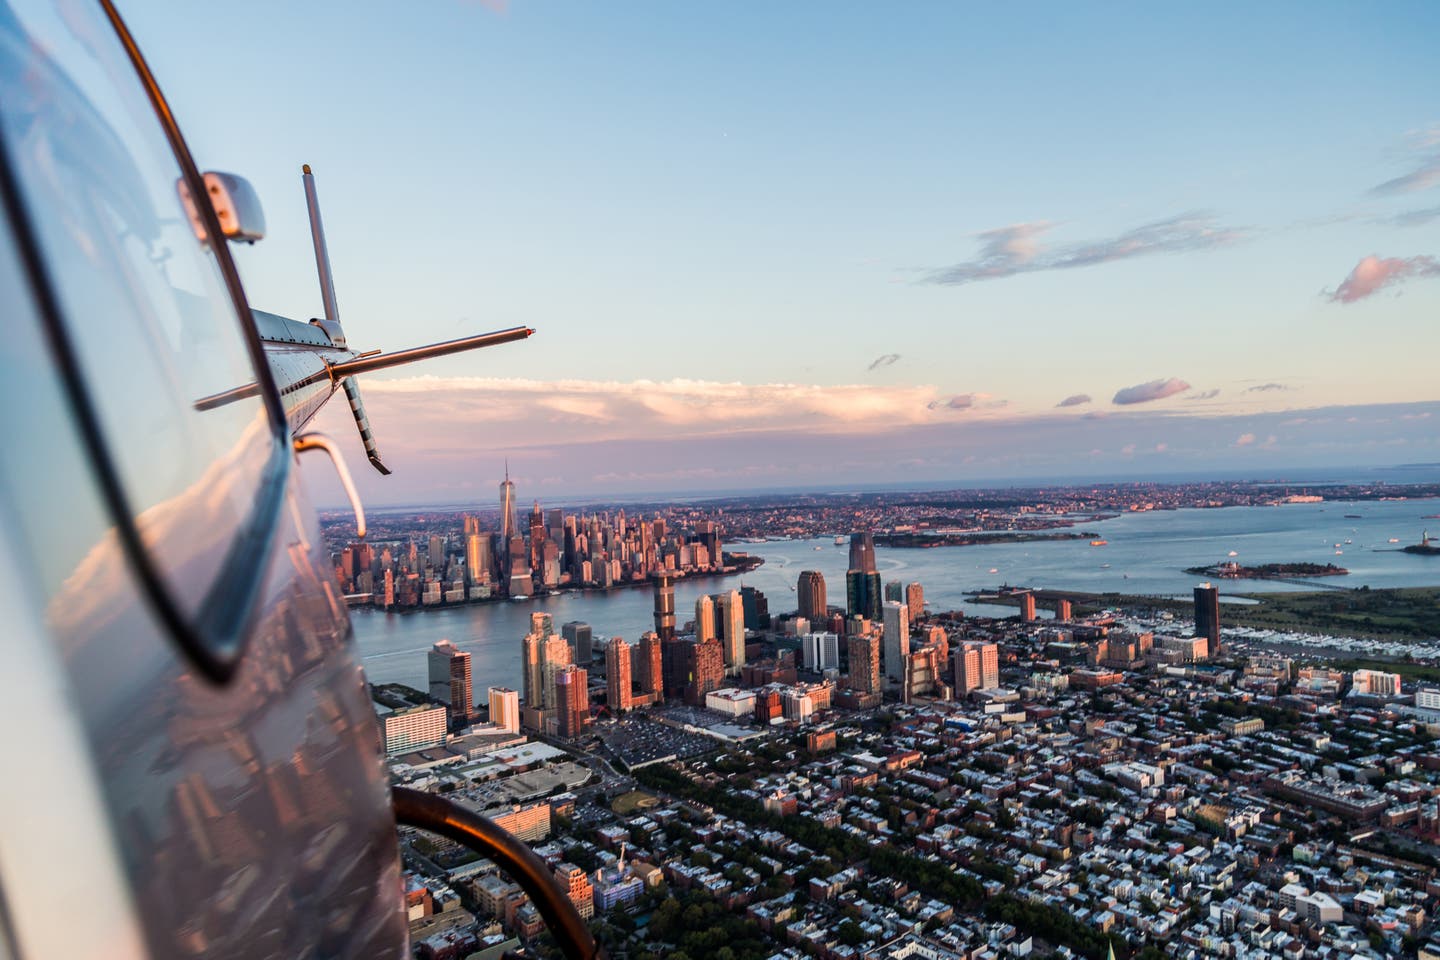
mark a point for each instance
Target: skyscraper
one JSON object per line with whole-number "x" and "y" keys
{"x": 650, "y": 673}
{"x": 895, "y": 590}
{"x": 897, "y": 639}
{"x": 977, "y": 667}
{"x": 704, "y": 617}
{"x": 915, "y": 600}
{"x": 578, "y": 634}
{"x": 505, "y": 709}
{"x": 757, "y": 608}
{"x": 732, "y": 631}
{"x": 862, "y": 551}
{"x": 572, "y": 700}
{"x": 532, "y": 673}
{"x": 865, "y": 663}
{"x": 664, "y": 608}
{"x": 1027, "y": 606}
{"x": 617, "y": 676}
{"x": 450, "y": 680}
{"x": 862, "y": 594}
{"x": 704, "y": 669}
{"x": 507, "y": 507}
{"x": 810, "y": 594}
{"x": 1207, "y": 615}
{"x": 478, "y": 562}
{"x": 554, "y": 657}
{"x": 820, "y": 651}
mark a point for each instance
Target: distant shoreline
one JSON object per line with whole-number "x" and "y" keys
{"x": 745, "y": 565}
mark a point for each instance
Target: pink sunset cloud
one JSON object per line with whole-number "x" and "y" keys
{"x": 1372, "y": 274}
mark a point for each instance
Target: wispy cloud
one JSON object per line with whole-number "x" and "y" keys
{"x": 884, "y": 360}
{"x": 1153, "y": 390}
{"x": 1074, "y": 400}
{"x": 1205, "y": 395}
{"x": 1245, "y": 440}
{"x": 1415, "y": 218}
{"x": 1007, "y": 251}
{"x": 1424, "y": 149}
{"x": 965, "y": 401}
{"x": 1372, "y": 274}
{"x": 1266, "y": 388}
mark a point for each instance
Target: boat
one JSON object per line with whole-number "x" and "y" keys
{"x": 1394, "y": 539}
{"x": 1339, "y": 552}
{"x": 1098, "y": 543}
{"x": 994, "y": 569}
{"x": 520, "y": 596}
{"x": 839, "y": 541}
{"x": 1353, "y": 516}
{"x": 1232, "y": 553}
{"x": 1104, "y": 566}
{"x": 817, "y": 548}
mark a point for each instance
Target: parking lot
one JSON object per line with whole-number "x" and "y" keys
{"x": 636, "y": 742}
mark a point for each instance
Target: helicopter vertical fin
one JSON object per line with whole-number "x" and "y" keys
{"x": 362, "y": 421}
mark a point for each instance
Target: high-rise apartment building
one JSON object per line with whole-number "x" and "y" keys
{"x": 732, "y": 630}
{"x": 554, "y": 657}
{"x": 704, "y": 617}
{"x": 531, "y": 671}
{"x": 505, "y": 709}
{"x": 704, "y": 669}
{"x": 864, "y": 652}
{"x": 896, "y": 638}
{"x": 572, "y": 700}
{"x": 650, "y": 671}
{"x": 1027, "y": 606}
{"x": 450, "y": 680}
{"x": 810, "y": 594}
{"x": 915, "y": 600}
{"x": 617, "y": 676}
{"x": 820, "y": 651}
{"x": 1207, "y": 615}
{"x": 895, "y": 590}
{"x": 977, "y": 667}
{"x": 579, "y": 635}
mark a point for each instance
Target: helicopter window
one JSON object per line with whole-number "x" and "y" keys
{"x": 145, "y": 310}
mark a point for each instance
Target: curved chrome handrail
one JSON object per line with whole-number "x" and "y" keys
{"x": 438, "y": 815}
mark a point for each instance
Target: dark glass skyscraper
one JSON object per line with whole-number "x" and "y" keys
{"x": 862, "y": 594}
{"x": 1207, "y": 615}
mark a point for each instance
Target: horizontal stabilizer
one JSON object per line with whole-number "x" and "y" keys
{"x": 384, "y": 361}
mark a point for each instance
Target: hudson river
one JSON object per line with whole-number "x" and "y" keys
{"x": 1146, "y": 553}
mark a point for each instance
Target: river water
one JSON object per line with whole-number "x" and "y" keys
{"x": 1146, "y": 553}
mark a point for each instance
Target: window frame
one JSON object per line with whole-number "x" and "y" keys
{"x": 215, "y": 638}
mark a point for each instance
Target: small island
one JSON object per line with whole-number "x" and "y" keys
{"x": 1230, "y": 570}
{"x": 1425, "y": 547}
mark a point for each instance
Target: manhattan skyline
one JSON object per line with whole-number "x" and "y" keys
{"x": 784, "y": 248}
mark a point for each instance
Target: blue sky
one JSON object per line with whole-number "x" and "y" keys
{"x": 723, "y": 220}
